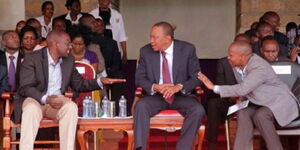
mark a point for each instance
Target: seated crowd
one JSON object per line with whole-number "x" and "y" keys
{"x": 37, "y": 64}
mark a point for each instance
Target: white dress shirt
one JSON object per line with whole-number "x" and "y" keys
{"x": 54, "y": 78}
{"x": 45, "y": 28}
{"x": 68, "y": 17}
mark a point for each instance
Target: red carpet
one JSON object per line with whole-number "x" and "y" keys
{"x": 161, "y": 140}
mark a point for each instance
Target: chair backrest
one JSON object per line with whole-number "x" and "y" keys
{"x": 289, "y": 73}
{"x": 87, "y": 72}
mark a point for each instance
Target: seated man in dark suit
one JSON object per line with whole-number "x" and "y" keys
{"x": 166, "y": 71}
{"x": 11, "y": 58}
{"x": 45, "y": 76}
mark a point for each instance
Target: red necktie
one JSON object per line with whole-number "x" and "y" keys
{"x": 166, "y": 74}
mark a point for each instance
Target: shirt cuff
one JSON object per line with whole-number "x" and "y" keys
{"x": 100, "y": 83}
{"x": 44, "y": 99}
{"x": 182, "y": 90}
{"x": 216, "y": 89}
{"x": 152, "y": 91}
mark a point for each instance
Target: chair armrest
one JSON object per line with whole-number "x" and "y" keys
{"x": 7, "y": 95}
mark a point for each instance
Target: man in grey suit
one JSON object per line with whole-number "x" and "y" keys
{"x": 45, "y": 76}
{"x": 167, "y": 72}
{"x": 270, "y": 98}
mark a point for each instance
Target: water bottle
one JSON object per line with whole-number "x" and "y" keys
{"x": 91, "y": 107}
{"x": 122, "y": 107}
{"x": 85, "y": 107}
{"x": 105, "y": 103}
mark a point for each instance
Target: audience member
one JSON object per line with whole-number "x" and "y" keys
{"x": 38, "y": 97}
{"x": 28, "y": 37}
{"x": 252, "y": 31}
{"x": 273, "y": 19}
{"x": 101, "y": 29}
{"x": 167, "y": 89}
{"x": 268, "y": 97}
{"x": 11, "y": 57}
{"x": 217, "y": 107}
{"x": 80, "y": 52}
{"x": 20, "y": 25}
{"x": 74, "y": 13}
{"x": 295, "y": 52}
{"x": 114, "y": 21}
{"x": 46, "y": 18}
{"x": 270, "y": 50}
{"x": 291, "y": 33}
{"x": 265, "y": 29}
{"x": 59, "y": 25}
{"x": 41, "y": 42}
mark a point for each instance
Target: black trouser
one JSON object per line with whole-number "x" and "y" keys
{"x": 216, "y": 114}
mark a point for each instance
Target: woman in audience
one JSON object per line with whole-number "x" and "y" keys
{"x": 20, "y": 25}
{"x": 46, "y": 19}
{"x": 28, "y": 37}
{"x": 81, "y": 53}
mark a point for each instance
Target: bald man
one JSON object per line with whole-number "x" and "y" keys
{"x": 270, "y": 50}
{"x": 271, "y": 101}
{"x": 45, "y": 76}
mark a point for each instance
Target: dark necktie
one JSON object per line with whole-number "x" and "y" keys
{"x": 12, "y": 74}
{"x": 166, "y": 74}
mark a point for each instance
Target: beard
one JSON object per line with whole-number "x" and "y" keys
{"x": 13, "y": 48}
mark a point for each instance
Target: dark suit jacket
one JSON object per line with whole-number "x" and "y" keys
{"x": 110, "y": 51}
{"x": 4, "y": 63}
{"x": 3, "y": 79}
{"x": 34, "y": 79}
{"x": 185, "y": 67}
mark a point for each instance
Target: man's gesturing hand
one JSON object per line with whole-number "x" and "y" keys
{"x": 205, "y": 80}
{"x": 111, "y": 81}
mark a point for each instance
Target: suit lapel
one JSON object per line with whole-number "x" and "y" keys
{"x": 156, "y": 65}
{"x": 45, "y": 65}
{"x": 64, "y": 69}
{"x": 176, "y": 55}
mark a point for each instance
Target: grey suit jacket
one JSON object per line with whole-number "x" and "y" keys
{"x": 185, "y": 67}
{"x": 262, "y": 87}
{"x": 34, "y": 79}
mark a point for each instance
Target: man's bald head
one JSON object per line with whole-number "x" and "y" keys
{"x": 239, "y": 53}
{"x": 59, "y": 43}
{"x": 270, "y": 49}
{"x": 241, "y": 47}
{"x": 242, "y": 37}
